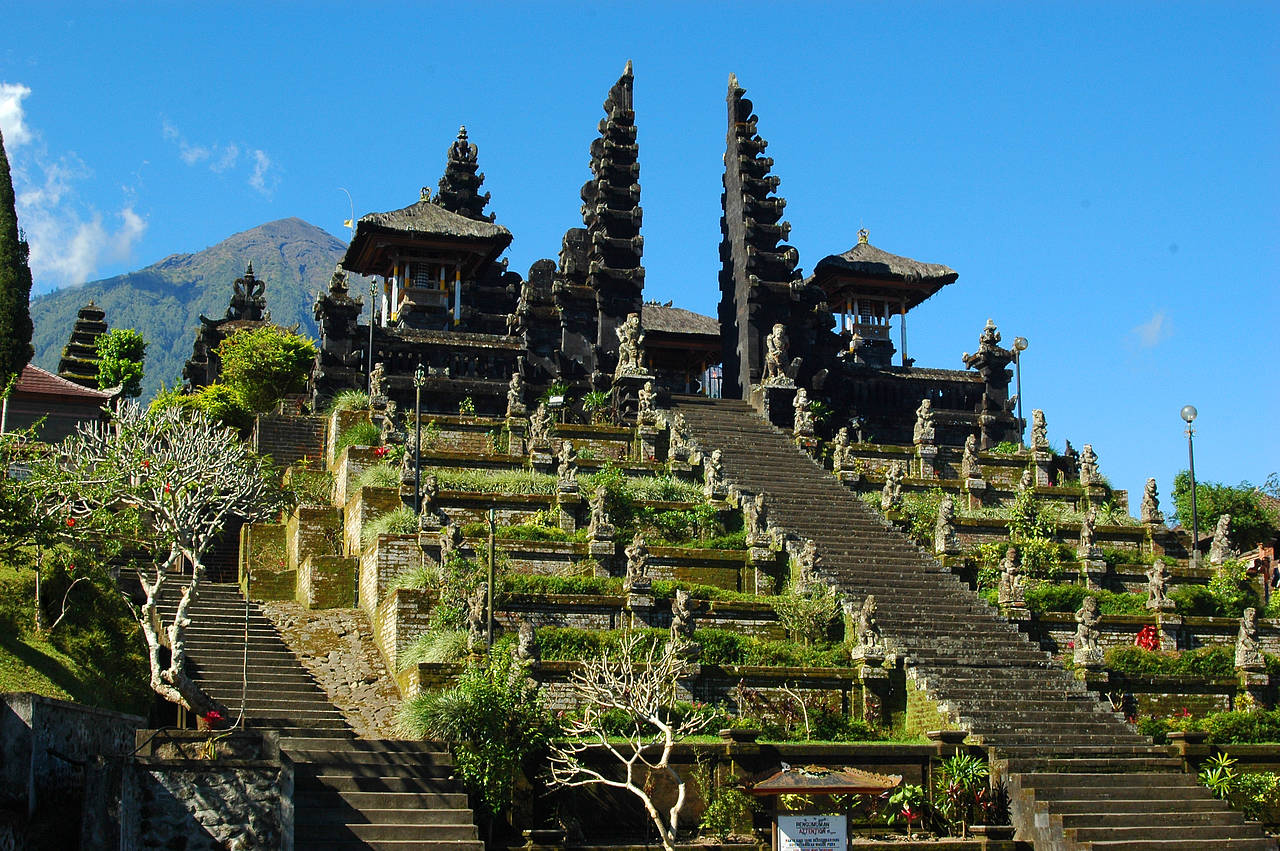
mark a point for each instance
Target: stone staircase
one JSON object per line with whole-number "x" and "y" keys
{"x": 349, "y": 793}
{"x": 1079, "y": 777}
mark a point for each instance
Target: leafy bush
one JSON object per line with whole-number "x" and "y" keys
{"x": 435, "y": 646}
{"x": 726, "y": 808}
{"x": 665, "y": 590}
{"x": 719, "y": 647}
{"x": 1231, "y": 587}
{"x": 121, "y": 352}
{"x": 397, "y": 521}
{"x": 494, "y": 481}
{"x": 220, "y": 402}
{"x": 349, "y": 400}
{"x": 1252, "y": 520}
{"x": 1256, "y": 794}
{"x": 1203, "y": 663}
{"x": 377, "y": 476}
{"x": 358, "y": 434}
{"x": 266, "y": 363}
{"x": 808, "y": 617}
{"x": 1241, "y": 728}
{"x": 921, "y": 511}
{"x": 1194, "y": 601}
{"x": 527, "y": 583}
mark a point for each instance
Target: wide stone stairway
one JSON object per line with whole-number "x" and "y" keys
{"x": 349, "y": 793}
{"x": 1078, "y": 776}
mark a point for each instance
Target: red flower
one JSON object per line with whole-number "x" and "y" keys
{"x": 71, "y": 521}
{"x": 380, "y": 451}
{"x": 1148, "y": 638}
{"x": 213, "y": 716}
{"x": 146, "y": 463}
{"x": 167, "y": 489}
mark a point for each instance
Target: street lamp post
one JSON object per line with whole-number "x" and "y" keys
{"x": 1189, "y": 413}
{"x": 373, "y": 311}
{"x": 419, "y": 379}
{"x": 1019, "y": 346}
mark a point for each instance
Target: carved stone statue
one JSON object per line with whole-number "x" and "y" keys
{"x": 969, "y": 466}
{"x": 1011, "y": 591}
{"x": 806, "y": 560}
{"x": 683, "y": 610}
{"x": 1221, "y": 550}
{"x": 527, "y": 649}
{"x": 713, "y": 473}
{"x": 1027, "y": 482}
{"x": 637, "y": 580}
{"x": 431, "y": 517}
{"x": 1248, "y": 648}
{"x": 681, "y": 444}
{"x": 476, "y": 618}
{"x": 602, "y": 528}
{"x": 1158, "y": 588}
{"x": 891, "y": 494}
{"x": 1039, "y": 432}
{"x": 540, "y": 426}
{"x": 647, "y": 412}
{"x": 1150, "y": 512}
{"x": 755, "y": 519}
{"x": 515, "y": 396}
{"x": 841, "y": 454}
{"x": 925, "y": 429}
{"x": 630, "y": 347}
{"x": 567, "y": 471}
{"x": 1088, "y": 548}
{"x": 944, "y": 530}
{"x": 450, "y": 542}
{"x": 989, "y": 339}
{"x": 378, "y": 380}
{"x": 868, "y": 630}
{"x": 1089, "y": 475}
{"x": 775, "y": 356}
{"x": 1088, "y": 653}
{"x": 803, "y": 426}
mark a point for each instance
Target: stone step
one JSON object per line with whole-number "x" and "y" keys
{"x": 362, "y": 783}
{"x": 1147, "y": 807}
{"x": 380, "y": 746}
{"x": 1095, "y": 786}
{"x": 363, "y": 761}
{"x": 339, "y": 811}
{"x": 356, "y": 844}
{"x": 1206, "y": 834}
{"x": 1220, "y": 844}
{"x": 305, "y": 833}
{"x": 324, "y": 798}
{"x": 1147, "y": 817}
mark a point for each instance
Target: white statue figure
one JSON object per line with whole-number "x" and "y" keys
{"x": 1150, "y": 512}
{"x": 630, "y": 347}
{"x": 713, "y": 471}
{"x": 841, "y": 453}
{"x": 1088, "y": 653}
{"x": 647, "y": 412}
{"x": 1088, "y": 548}
{"x": 891, "y": 494}
{"x": 1011, "y": 591}
{"x": 803, "y": 425}
{"x": 567, "y": 471}
{"x": 969, "y": 466}
{"x": 1089, "y": 475}
{"x": 1221, "y": 550}
{"x": 925, "y": 430}
{"x": 540, "y": 426}
{"x": 1158, "y": 588}
{"x": 868, "y": 630}
{"x": 944, "y": 530}
{"x": 1039, "y": 432}
{"x": 775, "y": 356}
{"x": 602, "y": 528}
{"x": 515, "y": 396}
{"x": 450, "y": 543}
{"x": 1248, "y": 647}
{"x": 637, "y": 580}
{"x": 755, "y": 519}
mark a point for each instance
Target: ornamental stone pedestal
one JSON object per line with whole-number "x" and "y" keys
{"x": 1257, "y": 686}
{"x": 928, "y": 455}
{"x": 876, "y": 687}
{"x": 1170, "y": 626}
{"x": 762, "y": 565}
{"x": 775, "y": 402}
{"x": 516, "y": 429}
{"x": 626, "y": 394}
{"x": 568, "y": 503}
{"x": 650, "y": 438}
{"x": 1044, "y": 465}
{"x": 975, "y": 490}
{"x": 1094, "y": 571}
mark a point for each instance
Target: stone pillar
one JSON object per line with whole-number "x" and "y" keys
{"x": 875, "y": 686}
{"x": 928, "y": 455}
{"x": 1170, "y": 627}
{"x": 1094, "y": 571}
{"x": 626, "y": 394}
{"x": 649, "y": 442}
{"x": 975, "y": 489}
{"x": 1044, "y": 464}
{"x": 569, "y": 502}
{"x": 775, "y": 402}
{"x": 1257, "y": 689}
{"x": 762, "y": 565}
{"x": 603, "y": 550}
{"x": 516, "y": 429}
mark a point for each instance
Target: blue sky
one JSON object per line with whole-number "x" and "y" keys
{"x": 1103, "y": 176}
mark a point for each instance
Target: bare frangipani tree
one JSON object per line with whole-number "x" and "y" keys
{"x": 184, "y": 477}
{"x": 643, "y": 692}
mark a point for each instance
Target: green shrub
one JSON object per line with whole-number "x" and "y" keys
{"x": 1047, "y": 597}
{"x": 665, "y": 590}
{"x": 1202, "y": 663}
{"x": 808, "y": 617}
{"x": 397, "y": 521}
{"x": 121, "y": 352}
{"x": 349, "y": 400}
{"x": 378, "y": 476}
{"x": 529, "y": 583}
{"x": 1194, "y": 601}
{"x": 358, "y": 434}
{"x": 435, "y": 646}
{"x": 1242, "y": 727}
{"x": 1234, "y": 592}
{"x": 264, "y": 364}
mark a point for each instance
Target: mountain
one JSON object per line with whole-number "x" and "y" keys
{"x": 164, "y": 301}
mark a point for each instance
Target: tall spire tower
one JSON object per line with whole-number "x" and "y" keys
{"x": 459, "y": 188}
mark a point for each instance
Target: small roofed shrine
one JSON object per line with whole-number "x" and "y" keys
{"x": 866, "y": 287}
{"x": 247, "y": 309}
{"x": 79, "y": 361}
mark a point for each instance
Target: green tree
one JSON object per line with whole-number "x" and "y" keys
{"x": 1252, "y": 520}
{"x": 15, "y": 285}
{"x": 121, "y": 352}
{"x": 264, "y": 364}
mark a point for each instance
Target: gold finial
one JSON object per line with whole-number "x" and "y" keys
{"x": 863, "y": 236}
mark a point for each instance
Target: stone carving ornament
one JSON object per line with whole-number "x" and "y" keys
{"x": 868, "y": 630}
{"x": 1011, "y": 591}
{"x": 1088, "y": 652}
{"x": 515, "y": 396}
{"x": 806, "y": 560}
{"x": 1221, "y": 550}
{"x": 755, "y": 519}
{"x": 775, "y": 356}
{"x": 713, "y": 473}
{"x": 450, "y": 543}
{"x": 841, "y": 453}
{"x": 683, "y": 610}
{"x": 925, "y": 430}
{"x": 1089, "y": 475}
{"x": 1039, "y": 432}
{"x": 1027, "y": 482}
{"x": 1248, "y": 647}
{"x": 803, "y": 423}
{"x": 527, "y": 649}
{"x": 378, "y": 380}
{"x": 1150, "y": 512}
{"x": 602, "y": 527}
{"x": 647, "y": 412}
{"x": 891, "y": 493}
{"x": 567, "y": 471}
{"x": 1088, "y": 547}
{"x": 540, "y": 426}
{"x": 969, "y": 466}
{"x": 944, "y": 530}
{"x": 637, "y": 580}
{"x": 476, "y": 618}
{"x": 1158, "y": 588}
{"x": 630, "y": 347}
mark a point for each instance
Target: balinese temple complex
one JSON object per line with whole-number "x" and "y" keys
{"x": 447, "y": 301}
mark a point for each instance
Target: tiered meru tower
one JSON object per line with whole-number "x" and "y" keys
{"x": 849, "y": 368}
{"x": 449, "y": 303}
{"x": 79, "y": 361}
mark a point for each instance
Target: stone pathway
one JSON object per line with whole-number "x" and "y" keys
{"x": 336, "y": 646}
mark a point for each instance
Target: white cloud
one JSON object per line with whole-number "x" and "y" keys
{"x": 222, "y": 158}
{"x": 70, "y": 238}
{"x": 13, "y": 122}
{"x": 263, "y": 179}
{"x": 1154, "y": 331}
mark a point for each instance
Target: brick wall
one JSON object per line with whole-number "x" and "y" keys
{"x": 1056, "y": 632}
{"x": 327, "y": 582}
{"x": 398, "y": 620}
{"x": 263, "y": 552}
{"x": 289, "y": 438}
{"x": 363, "y": 507}
{"x": 350, "y": 463}
{"x": 388, "y": 557}
{"x": 313, "y": 531}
